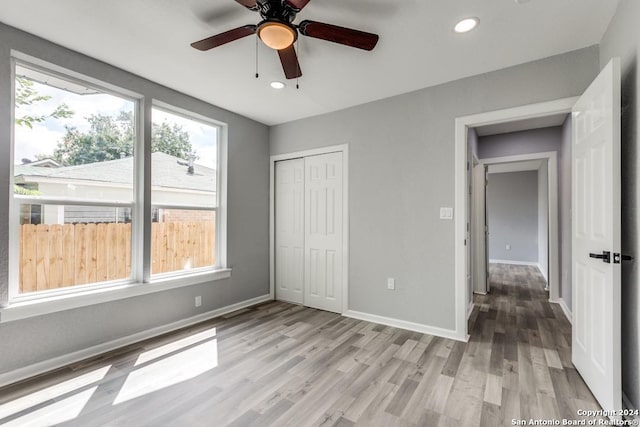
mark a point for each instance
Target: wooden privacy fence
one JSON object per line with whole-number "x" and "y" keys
{"x": 59, "y": 255}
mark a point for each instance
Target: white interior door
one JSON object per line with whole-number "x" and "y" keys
{"x": 323, "y": 232}
{"x": 289, "y": 230}
{"x": 596, "y": 228}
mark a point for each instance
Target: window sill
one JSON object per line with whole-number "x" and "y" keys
{"x": 53, "y": 304}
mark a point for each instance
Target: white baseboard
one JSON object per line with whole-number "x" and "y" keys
{"x": 565, "y": 309}
{"x": 507, "y": 261}
{"x": 67, "y": 359}
{"x": 470, "y": 310}
{"x": 410, "y": 326}
{"x": 546, "y": 279}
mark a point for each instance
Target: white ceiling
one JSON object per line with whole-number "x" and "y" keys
{"x": 417, "y": 46}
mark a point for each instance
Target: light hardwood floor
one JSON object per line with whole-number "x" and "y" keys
{"x": 279, "y": 364}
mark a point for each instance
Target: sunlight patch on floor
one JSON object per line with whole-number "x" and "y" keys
{"x": 59, "y": 389}
{"x": 175, "y": 346}
{"x": 165, "y": 372}
{"x": 57, "y": 412}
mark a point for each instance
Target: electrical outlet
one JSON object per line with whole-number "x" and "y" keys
{"x": 198, "y": 301}
{"x": 508, "y": 247}
{"x": 391, "y": 283}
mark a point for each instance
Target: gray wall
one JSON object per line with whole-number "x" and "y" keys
{"x": 622, "y": 39}
{"x": 512, "y": 216}
{"x": 523, "y": 142}
{"x": 564, "y": 211}
{"x": 401, "y": 171}
{"x": 36, "y": 339}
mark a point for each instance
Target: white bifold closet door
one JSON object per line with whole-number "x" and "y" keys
{"x": 289, "y": 177}
{"x": 323, "y": 232}
{"x": 309, "y": 231}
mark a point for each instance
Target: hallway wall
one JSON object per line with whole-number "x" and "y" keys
{"x": 533, "y": 141}
{"x": 524, "y": 142}
{"x": 512, "y": 214}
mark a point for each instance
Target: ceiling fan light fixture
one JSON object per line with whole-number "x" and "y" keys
{"x": 466, "y": 25}
{"x": 276, "y": 35}
{"x": 277, "y": 85}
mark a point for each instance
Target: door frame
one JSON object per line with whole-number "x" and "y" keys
{"x": 477, "y": 239}
{"x": 344, "y": 149}
{"x": 553, "y": 236}
{"x": 462, "y": 125}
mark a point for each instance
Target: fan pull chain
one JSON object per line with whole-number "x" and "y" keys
{"x": 257, "y": 74}
{"x": 298, "y": 73}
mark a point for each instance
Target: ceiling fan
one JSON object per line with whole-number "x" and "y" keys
{"x": 278, "y": 32}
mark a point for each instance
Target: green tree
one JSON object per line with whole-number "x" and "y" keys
{"x": 27, "y": 95}
{"x": 170, "y": 139}
{"x": 110, "y": 138}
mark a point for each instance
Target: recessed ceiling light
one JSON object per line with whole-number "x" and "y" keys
{"x": 277, "y": 85}
{"x": 466, "y": 25}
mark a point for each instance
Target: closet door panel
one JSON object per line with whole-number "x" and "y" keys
{"x": 323, "y": 232}
{"x": 289, "y": 230}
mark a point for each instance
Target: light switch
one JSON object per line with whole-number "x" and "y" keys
{"x": 446, "y": 213}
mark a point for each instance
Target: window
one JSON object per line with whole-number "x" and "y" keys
{"x": 78, "y": 220}
{"x": 73, "y": 182}
{"x": 184, "y": 192}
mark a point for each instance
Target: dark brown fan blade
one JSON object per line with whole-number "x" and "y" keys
{"x": 249, "y": 4}
{"x": 290, "y": 63}
{"x": 226, "y": 37}
{"x": 297, "y": 4}
{"x": 333, "y": 33}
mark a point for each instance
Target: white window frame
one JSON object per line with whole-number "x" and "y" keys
{"x": 140, "y": 282}
{"x": 220, "y": 249}
{"x": 18, "y": 200}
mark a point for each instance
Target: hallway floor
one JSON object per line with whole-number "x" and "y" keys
{"x": 527, "y": 342}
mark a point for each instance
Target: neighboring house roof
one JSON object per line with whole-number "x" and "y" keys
{"x": 167, "y": 173}
{"x": 44, "y": 163}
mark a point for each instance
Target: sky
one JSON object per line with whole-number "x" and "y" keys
{"x": 44, "y": 136}
{"x": 202, "y": 136}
